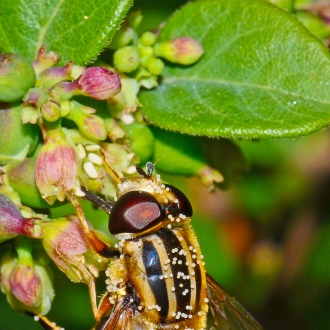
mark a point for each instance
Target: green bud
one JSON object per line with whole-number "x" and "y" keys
{"x": 16, "y": 140}
{"x": 155, "y": 66}
{"x": 134, "y": 19}
{"x": 51, "y": 110}
{"x": 122, "y": 37}
{"x": 147, "y": 38}
{"x": 16, "y": 77}
{"x": 20, "y": 176}
{"x": 90, "y": 125}
{"x": 183, "y": 50}
{"x": 141, "y": 141}
{"x": 34, "y": 99}
{"x": 145, "y": 51}
{"x": 126, "y": 59}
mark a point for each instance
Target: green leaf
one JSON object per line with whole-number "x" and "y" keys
{"x": 263, "y": 75}
{"x": 75, "y": 29}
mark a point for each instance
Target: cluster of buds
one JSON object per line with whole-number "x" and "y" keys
{"x": 138, "y": 57}
{"x": 58, "y": 165}
{"x": 56, "y": 85}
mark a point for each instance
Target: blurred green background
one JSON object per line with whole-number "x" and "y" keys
{"x": 266, "y": 238}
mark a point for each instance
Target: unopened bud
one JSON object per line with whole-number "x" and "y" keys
{"x": 16, "y": 77}
{"x": 134, "y": 19}
{"x": 155, "y": 66}
{"x": 182, "y": 50}
{"x": 57, "y": 161}
{"x": 64, "y": 240}
{"x": 44, "y": 60}
{"x": 33, "y": 101}
{"x": 89, "y": 125}
{"x": 25, "y": 284}
{"x": 147, "y": 38}
{"x": 126, "y": 59}
{"x": 20, "y": 176}
{"x": 13, "y": 224}
{"x": 25, "y": 281}
{"x": 16, "y": 139}
{"x": 51, "y": 110}
{"x": 96, "y": 82}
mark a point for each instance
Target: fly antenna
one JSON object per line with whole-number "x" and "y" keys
{"x": 160, "y": 156}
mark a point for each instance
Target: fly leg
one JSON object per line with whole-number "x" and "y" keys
{"x": 45, "y": 323}
{"x": 96, "y": 245}
{"x": 104, "y": 304}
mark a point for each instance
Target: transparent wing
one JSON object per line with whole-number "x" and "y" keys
{"x": 228, "y": 313}
{"x": 122, "y": 317}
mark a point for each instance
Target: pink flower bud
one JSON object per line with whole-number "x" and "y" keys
{"x": 64, "y": 240}
{"x": 25, "y": 285}
{"x": 57, "y": 163}
{"x": 12, "y": 223}
{"x": 96, "y": 82}
{"x": 26, "y": 281}
{"x": 44, "y": 60}
{"x": 184, "y": 50}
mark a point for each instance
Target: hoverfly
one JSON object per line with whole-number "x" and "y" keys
{"x": 156, "y": 278}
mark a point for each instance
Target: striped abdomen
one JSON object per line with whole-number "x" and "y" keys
{"x": 167, "y": 271}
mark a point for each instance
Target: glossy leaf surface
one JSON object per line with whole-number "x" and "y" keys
{"x": 263, "y": 75}
{"x": 77, "y": 30}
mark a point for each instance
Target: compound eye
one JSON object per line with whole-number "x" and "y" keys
{"x": 134, "y": 212}
{"x": 183, "y": 205}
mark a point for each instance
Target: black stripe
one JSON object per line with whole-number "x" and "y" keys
{"x": 153, "y": 269}
{"x": 198, "y": 279}
{"x": 172, "y": 242}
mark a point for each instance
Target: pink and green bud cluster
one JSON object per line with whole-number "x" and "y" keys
{"x": 25, "y": 281}
{"x": 184, "y": 50}
{"x": 13, "y": 224}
